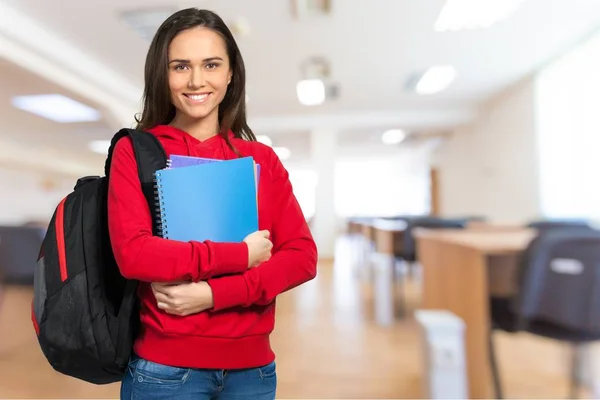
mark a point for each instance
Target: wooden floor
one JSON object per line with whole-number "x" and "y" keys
{"x": 327, "y": 345}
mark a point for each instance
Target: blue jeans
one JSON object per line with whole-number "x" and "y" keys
{"x": 148, "y": 380}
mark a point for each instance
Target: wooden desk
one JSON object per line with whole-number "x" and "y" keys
{"x": 388, "y": 236}
{"x": 385, "y": 234}
{"x": 457, "y": 266}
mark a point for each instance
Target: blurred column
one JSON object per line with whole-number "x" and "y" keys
{"x": 324, "y": 225}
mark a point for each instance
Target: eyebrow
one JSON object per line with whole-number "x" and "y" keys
{"x": 189, "y": 62}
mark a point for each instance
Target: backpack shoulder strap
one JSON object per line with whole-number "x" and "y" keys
{"x": 150, "y": 157}
{"x": 149, "y": 153}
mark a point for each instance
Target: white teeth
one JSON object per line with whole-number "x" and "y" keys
{"x": 199, "y": 97}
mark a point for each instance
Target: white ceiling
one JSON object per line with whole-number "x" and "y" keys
{"x": 374, "y": 46}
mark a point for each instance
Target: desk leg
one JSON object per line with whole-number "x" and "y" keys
{"x": 384, "y": 288}
{"x": 365, "y": 268}
{"x": 455, "y": 279}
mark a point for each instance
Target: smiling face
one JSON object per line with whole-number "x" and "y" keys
{"x": 199, "y": 73}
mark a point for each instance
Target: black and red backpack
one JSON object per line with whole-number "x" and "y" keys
{"x": 85, "y": 313}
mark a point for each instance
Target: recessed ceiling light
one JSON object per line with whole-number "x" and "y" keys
{"x": 393, "y": 136}
{"x": 311, "y": 92}
{"x": 146, "y": 21}
{"x": 56, "y": 107}
{"x": 264, "y": 139}
{"x": 282, "y": 152}
{"x": 310, "y": 8}
{"x": 99, "y": 146}
{"x": 472, "y": 14}
{"x": 436, "y": 79}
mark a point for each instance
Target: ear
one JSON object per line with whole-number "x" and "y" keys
{"x": 229, "y": 75}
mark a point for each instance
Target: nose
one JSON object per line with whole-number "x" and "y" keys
{"x": 196, "y": 79}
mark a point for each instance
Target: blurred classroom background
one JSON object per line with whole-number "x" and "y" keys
{"x": 429, "y": 143}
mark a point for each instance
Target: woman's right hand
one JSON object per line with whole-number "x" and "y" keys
{"x": 259, "y": 248}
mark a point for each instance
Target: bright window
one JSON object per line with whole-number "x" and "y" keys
{"x": 568, "y": 124}
{"x": 385, "y": 186}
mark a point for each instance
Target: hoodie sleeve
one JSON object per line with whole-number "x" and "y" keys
{"x": 294, "y": 259}
{"x": 145, "y": 257}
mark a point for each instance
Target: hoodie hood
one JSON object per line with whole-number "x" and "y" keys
{"x": 176, "y": 141}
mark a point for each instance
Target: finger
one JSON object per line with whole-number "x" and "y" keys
{"x": 158, "y": 287}
{"x": 264, "y": 233}
{"x": 163, "y": 306}
{"x": 166, "y": 290}
{"x": 161, "y": 298}
{"x": 180, "y": 312}
{"x": 176, "y": 283}
{"x": 175, "y": 311}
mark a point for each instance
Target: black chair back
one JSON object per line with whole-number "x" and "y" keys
{"x": 560, "y": 281}
{"x": 544, "y": 225}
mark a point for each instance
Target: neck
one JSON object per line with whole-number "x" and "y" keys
{"x": 202, "y": 129}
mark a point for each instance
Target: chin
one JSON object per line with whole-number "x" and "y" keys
{"x": 195, "y": 114}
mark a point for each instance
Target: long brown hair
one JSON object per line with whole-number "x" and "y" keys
{"x": 157, "y": 106}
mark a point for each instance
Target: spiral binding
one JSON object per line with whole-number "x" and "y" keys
{"x": 161, "y": 213}
{"x": 169, "y": 163}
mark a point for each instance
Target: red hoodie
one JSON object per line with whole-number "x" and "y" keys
{"x": 235, "y": 332}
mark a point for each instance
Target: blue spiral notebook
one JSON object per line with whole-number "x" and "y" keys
{"x": 214, "y": 201}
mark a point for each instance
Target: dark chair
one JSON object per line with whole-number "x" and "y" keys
{"x": 558, "y": 295}
{"x": 19, "y": 248}
{"x": 546, "y": 224}
{"x": 409, "y": 251}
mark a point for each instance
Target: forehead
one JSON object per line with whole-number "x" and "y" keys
{"x": 197, "y": 44}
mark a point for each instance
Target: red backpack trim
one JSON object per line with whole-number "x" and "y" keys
{"x": 36, "y": 326}
{"x": 60, "y": 239}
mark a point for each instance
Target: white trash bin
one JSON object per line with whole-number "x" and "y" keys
{"x": 442, "y": 340}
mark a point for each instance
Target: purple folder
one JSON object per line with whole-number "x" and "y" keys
{"x": 178, "y": 161}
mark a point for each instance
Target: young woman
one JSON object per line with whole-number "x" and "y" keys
{"x": 207, "y": 308}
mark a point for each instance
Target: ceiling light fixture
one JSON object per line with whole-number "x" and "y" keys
{"x": 316, "y": 85}
{"x": 473, "y": 14}
{"x": 311, "y": 8}
{"x": 311, "y": 92}
{"x": 56, "y": 107}
{"x": 146, "y": 21}
{"x": 436, "y": 79}
{"x": 393, "y": 136}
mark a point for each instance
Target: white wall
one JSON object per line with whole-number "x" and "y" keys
{"x": 29, "y": 195}
{"x": 490, "y": 168}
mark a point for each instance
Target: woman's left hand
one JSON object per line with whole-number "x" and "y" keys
{"x": 183, "y": 298}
